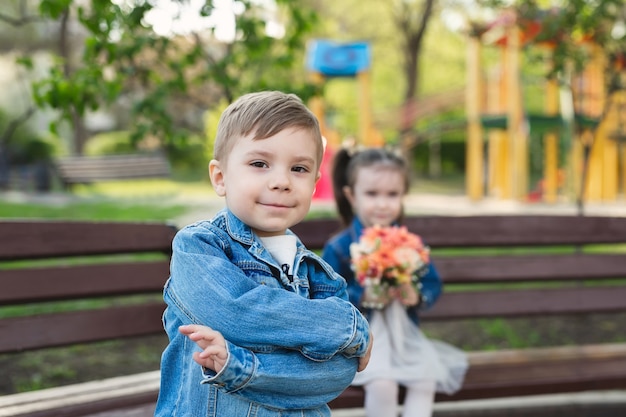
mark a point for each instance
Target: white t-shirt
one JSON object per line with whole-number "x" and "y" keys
{"x": 283, "y": 249}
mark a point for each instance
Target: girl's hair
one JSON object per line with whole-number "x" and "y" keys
{"x": 264, "y": 114}
{"x": 345, "y": 169}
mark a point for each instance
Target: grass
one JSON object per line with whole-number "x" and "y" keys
{"x": 103, "y": 210}
{"x": 74, "y": 305}
{"x": 162, "y": 190}
{"x": 148, "y": 200}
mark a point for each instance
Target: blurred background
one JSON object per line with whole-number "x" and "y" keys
{"x": 500, "y": 106}
{"x": 505, "y": 100}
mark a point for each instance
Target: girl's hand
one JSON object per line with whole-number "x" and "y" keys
{"x": 214, "y": 351}
{"x": 406, "y": 294}
{"x": 375, "y": 298}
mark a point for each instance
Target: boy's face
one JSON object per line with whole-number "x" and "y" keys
{"x": 268, "y": 183}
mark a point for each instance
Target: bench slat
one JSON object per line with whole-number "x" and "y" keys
{"x": 86, "y": 169}
{"x": 82, "y": 281}
{"x": 40, "y": 239}
{"x": 523, "y": 268}
{"x": 315, "y": 233}
{"x": 84, "y": 398}
{"x": 485, "y": 231}
{"x": 538, "y": 377}
{"x": 529, "y": 372}
{"x": 59, "y": 329}
{"x": 482, "y": 231}
{"x": 527, "y": 302}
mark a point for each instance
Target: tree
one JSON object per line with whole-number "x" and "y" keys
{"x": 397, "y": 31}
{"x": 412, "y": 18}
{"x": 167, "y": 79}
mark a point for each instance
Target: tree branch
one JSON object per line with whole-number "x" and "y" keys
{"x": 15, "y": 123}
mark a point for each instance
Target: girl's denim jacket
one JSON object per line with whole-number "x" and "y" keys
{"x": 337, "y": 253}
{"x": 293, "y": 341}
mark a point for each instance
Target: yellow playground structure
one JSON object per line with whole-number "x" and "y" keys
{"x": 499, "y": 129}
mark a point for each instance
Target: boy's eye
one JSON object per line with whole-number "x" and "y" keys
{"x": 258, "y": 164}
{"x": 300, "y": 169}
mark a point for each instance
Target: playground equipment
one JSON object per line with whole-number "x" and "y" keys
{"x": 327, "y": 59}
{"x": 495, "y": 107}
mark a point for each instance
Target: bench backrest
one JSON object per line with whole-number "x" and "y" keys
{"x": 43, "y": 262}
{"x": 580, "y": 267}
{"x": 499, "y": 266}
{"x": 87, "y": 169}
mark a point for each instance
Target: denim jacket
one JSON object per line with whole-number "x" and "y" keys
{"x": 337, "y": 253}
{"x": 293, "y": 341}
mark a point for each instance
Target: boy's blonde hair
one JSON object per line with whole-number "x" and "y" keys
{"x": 264, "y": 114}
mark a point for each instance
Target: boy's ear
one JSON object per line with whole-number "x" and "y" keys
{"x": 217, "y": 177}
{"x": 347, "y": 191}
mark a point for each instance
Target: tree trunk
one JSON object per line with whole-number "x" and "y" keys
{"x": 79, "y": 131}
{"x": 412, "y": 22}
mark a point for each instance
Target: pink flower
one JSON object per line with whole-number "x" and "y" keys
{"x": 388, "y": 256}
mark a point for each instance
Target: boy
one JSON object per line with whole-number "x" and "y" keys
{"x": 276, "y": 332}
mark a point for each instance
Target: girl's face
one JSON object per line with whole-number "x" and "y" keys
{"x": 377, "y": 195}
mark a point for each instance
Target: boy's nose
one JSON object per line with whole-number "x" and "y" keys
{"x": 280, "y": 181}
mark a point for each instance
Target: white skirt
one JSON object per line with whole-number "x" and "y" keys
{"x": 402, "y": 353}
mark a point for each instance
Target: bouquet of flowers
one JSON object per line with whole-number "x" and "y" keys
{"x": 386, "y": 258}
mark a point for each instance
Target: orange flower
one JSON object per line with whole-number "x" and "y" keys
{"x": 388, "y": 256}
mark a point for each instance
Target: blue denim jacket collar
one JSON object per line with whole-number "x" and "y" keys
{"x": 242, "y": 233}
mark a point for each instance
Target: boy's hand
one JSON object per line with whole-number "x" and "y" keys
{"x": 364, "y": 360}
{"x": 214, "y": 352}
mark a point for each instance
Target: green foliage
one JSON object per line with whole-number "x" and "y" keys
{"x": 190, "y": 157}
{"x": 568, "y": 23}
{"x": 23, "y": 146}
{"x": 452, "y": 152}
{"x": 211, "y": 120}
{"x": 53, "y": 8}
{"x": 449, "y": 129}
{"x": 168, "y": 78}
{"x": 109, "y": 143}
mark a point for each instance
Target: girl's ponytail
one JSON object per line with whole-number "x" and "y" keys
{"x": 340, "y": 180}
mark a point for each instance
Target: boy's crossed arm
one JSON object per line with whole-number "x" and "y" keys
{"x": 214, "y": 352}
{"x": 237, "y": 301}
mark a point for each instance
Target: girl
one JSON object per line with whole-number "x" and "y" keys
{"x": 369, "y": 188}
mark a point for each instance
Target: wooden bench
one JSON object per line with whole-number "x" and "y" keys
{"x": 492, "y": 269}
{"x": 88, "y": 169}
{"x": 481, "y": 283}
{"x": 122, "y": 259}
